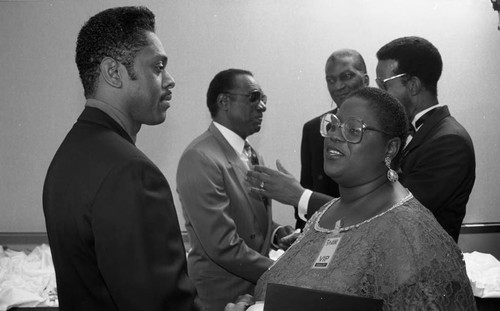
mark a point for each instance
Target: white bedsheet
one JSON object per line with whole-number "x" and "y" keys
{"x": 483, "y": 271}
{"x": 27, "y": 280}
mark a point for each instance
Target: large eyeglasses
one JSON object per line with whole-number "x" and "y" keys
{"x": 382, "y": 83}
{"x": 255, "y": 97}
{"x": 352, "y": 129}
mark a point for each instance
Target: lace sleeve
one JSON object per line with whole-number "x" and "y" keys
{"x": 423, "y": 264}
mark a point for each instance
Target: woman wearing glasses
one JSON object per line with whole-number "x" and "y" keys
{"x": 376, "y": 240}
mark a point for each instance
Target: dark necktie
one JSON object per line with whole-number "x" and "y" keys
{"x": 251, "y": 155}
{"x": 411, "y": 130}
{"x": 253, "y": 159}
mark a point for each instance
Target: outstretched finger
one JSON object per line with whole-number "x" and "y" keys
{"x": 258, "y": 191}
{"x": 253, "y": 175}
{"x": 262, "y": 169}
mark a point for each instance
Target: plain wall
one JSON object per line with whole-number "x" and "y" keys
{"x": 284, "y": 43}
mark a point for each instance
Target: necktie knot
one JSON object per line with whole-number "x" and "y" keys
{"x": 411, "y": 130}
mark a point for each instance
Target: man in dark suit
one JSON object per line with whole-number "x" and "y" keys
{"x": 110, "y": 217}
{"x": 438, "y": 163}
{"x": 230, "y": 231}
{"x": 345, "y": 71}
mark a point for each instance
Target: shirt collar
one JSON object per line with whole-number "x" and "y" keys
{"x": 421, "y": 113}
{"x": 232, "y": 138}
{"x": 116, "y": 114}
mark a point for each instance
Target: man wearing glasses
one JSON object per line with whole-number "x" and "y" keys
{"x": 230, "y": 231}
{"x": 438, "y": 162}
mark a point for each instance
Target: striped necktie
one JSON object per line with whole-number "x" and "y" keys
{"x": 250, "y": 153}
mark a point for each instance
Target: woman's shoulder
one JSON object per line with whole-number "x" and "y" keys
{"x": 413, "y": 225}
{"x": 409, "y": 213}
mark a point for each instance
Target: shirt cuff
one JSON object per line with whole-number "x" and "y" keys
{"x": 303, "y": 203}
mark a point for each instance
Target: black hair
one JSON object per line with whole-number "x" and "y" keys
{"x": 416, "y": 57}
{"x": 118, "y": 33}
{"x": 389, "y": 113}
{"x": 222, "y": 82}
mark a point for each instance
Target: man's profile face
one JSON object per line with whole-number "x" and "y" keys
{"x": 342, "y": 78}
{"x": 244, "y": 116}
{"x": 149, "y": 94}
{"x": 387, "y": 69}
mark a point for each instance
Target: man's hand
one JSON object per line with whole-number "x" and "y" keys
{"x": 242, "y": 303}
{"x": 285, "y": 236}
{"x": 278, "y": 185}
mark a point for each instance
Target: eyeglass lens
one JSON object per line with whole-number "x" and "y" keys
{"x": 351, "y": 129}
{"x": 257, "y": 96}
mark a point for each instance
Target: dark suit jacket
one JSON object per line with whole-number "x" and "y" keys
{"x": 229, "y": 230}
{"x": 312, "y": 173}
{"x": 112, "y": 225}
{"x": 439, "y": 168}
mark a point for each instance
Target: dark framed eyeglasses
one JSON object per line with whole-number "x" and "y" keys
{"x": 382, "y": 83}
{"x": 352, "y": 129}
{"x": 254, "y": 97}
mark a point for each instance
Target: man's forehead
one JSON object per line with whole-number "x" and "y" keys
{"x": 155, "y": 47}
{"x": 340, "y": 66}
{"x": 387, "y": 65}
{"x": 246, "y": 81}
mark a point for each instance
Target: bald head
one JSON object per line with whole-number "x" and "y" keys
{"x": 357, "y": 60}
{"x": 345, "y": 72}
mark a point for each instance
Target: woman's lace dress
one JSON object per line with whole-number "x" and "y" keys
{"x": 403, "y": 257}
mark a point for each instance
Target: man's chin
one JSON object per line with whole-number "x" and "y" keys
{"x": 339, "y": 100}
{"x": 157, "y": 120}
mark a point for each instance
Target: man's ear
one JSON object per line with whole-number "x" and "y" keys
{"x": 222, "y": 101}
{"x": 392, "y": 147}
{"x": 110, "y": 72}
{"x": 366, "y": 80}
{"x": 414, "y": 86}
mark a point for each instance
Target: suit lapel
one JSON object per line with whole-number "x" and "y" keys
{"x": 239, "y": 170}
{"x": 426, "y": 129}
{"x": 97, "y": 116}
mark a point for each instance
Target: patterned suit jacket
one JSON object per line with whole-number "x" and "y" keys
{"x": 229, "y": 230}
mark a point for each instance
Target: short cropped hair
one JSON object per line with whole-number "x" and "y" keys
{"x": 416, "y": 57}
{"x": 222, "y": 82}
{"x": 119, "y": 33}
{"x": 359, "y": 62}
{"x": 389, "y": 113}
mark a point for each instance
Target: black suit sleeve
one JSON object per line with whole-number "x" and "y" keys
{"x": 312, "y": 143}
{"x": 306, "y": 178}
{"x": 138, "y": 244}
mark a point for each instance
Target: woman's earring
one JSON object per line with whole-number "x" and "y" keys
{"x": 391, "y": 174}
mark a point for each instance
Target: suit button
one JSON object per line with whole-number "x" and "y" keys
{"x": 252, "y": 236}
